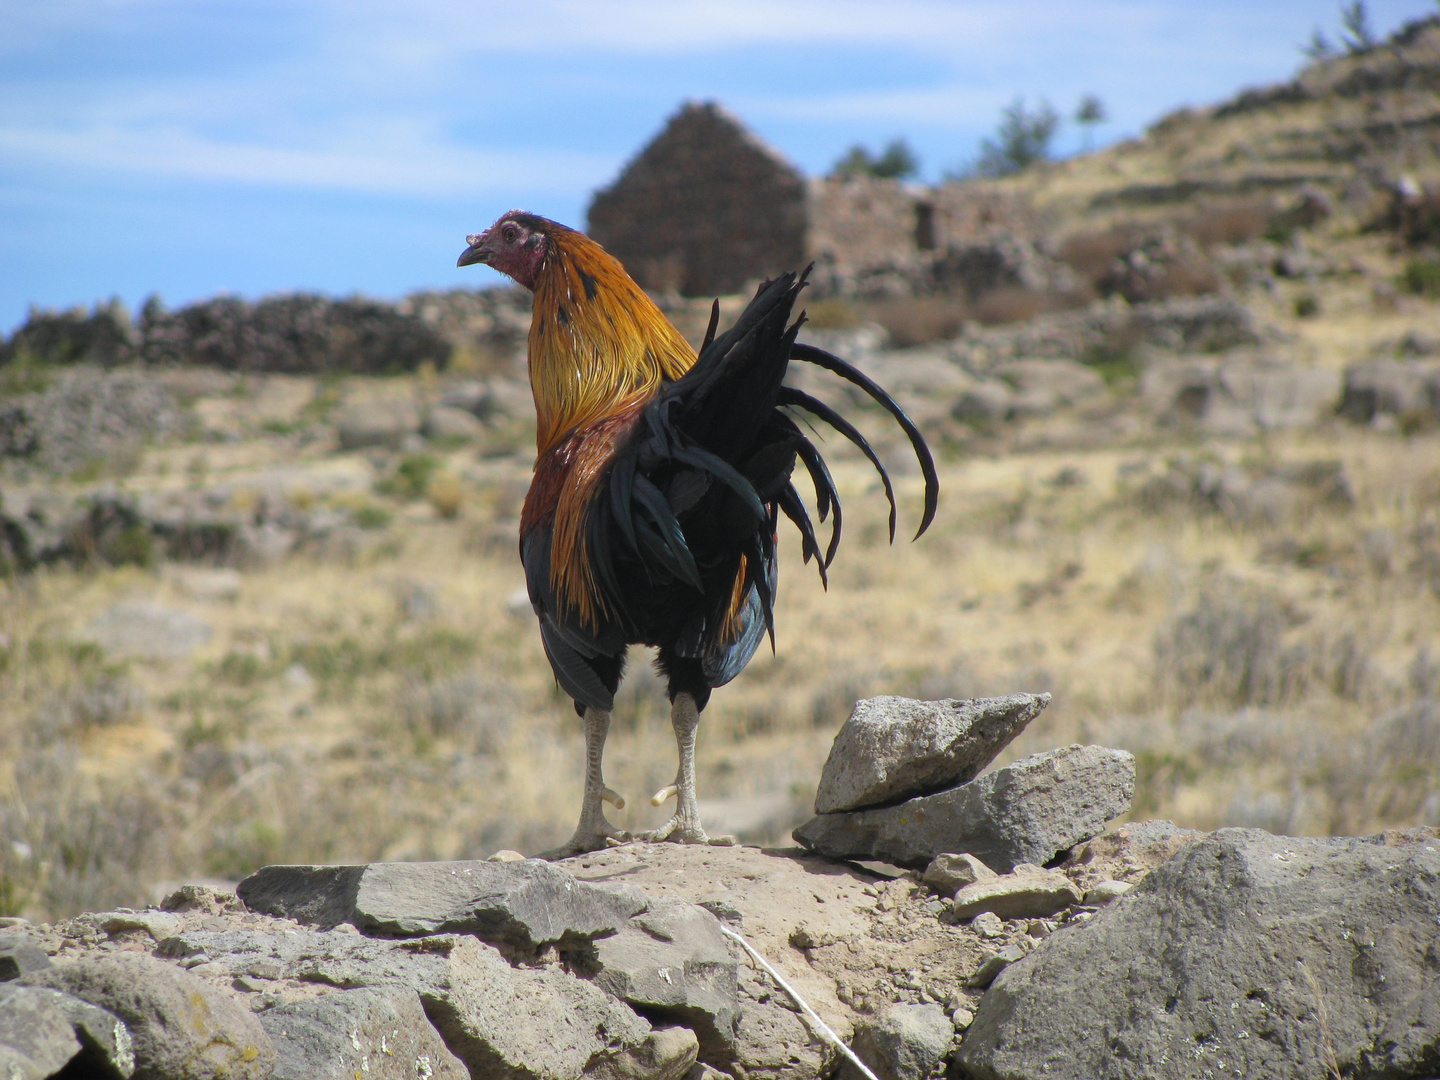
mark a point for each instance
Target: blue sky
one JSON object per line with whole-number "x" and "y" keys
{"x": 256, "y": 146}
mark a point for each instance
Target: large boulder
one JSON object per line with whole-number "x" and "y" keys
{"x": 182, "y": 1027}
{"x": 1027, "y": 812}
{"x": 1246, "y": 954}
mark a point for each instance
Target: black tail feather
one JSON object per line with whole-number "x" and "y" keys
{"x": 790, "y": 502}
{"x": 798, "y": 398}
{"x": 811, "y": 355}
{"x": 827, "y": 499}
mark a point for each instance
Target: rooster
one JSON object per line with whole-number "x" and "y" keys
{"x": 660, "y": 476}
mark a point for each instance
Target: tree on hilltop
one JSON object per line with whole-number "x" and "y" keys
{"x": 896, "y": 162}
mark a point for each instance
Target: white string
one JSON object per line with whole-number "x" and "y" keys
{"x": 810, "y": 1014}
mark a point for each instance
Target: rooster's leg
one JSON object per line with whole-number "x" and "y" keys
{"x": 684, "y": 827}
{"x": 594, "y": 831}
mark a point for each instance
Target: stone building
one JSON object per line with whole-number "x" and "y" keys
{"x": 707, "y": 208}
{"x": 704, "y": 208}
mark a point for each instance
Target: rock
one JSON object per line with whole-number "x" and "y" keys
{"x": 1239, "y": 396}
{"x": 1391, "y": 387}
{"x": 36, "y": 1038}
{"x": 203, "y": 583}
{"x": 528, "y": 1023}
{"x": 454, "y": 424}
{"x": 673, "y": 962}
{"x": 666, "y": 1054}
{"x": 893, "y": 748}
{"x": 19, "y": 956}
{"x": 1102, "y": 892}
{"x": 497, "y": 1019}
{"x": 149, "y": 630}
{"x": 962, "y": 1018}
{"x": 526, "y": 903}
{"x": 988, "y": 925}
{"x": 948, "y": 873}
{"x": 772, "y": 1042}
{"x": 1028, "y": 893}
{"x": 905, "y": 1042}
{"x": 1026, "y": 812}
{"x": 158, "y": 924}
{"x": 985, "y": 402}
{"x": 382, "y": 1034}
{"x": 106, "y": 1048}
{"x": 1047, "y": 385}
{"x": 86, "y": 416}
{"x": 377, "y": 423}
{"x": 182, "y": 1027}
{"x": 995, "y": 963}
{"x": 1232, "y": 952}
{"x": 320, "y": 958}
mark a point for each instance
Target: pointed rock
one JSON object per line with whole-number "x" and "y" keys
{"x": 894, "y": 748}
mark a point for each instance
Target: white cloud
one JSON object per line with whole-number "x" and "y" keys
{"x": 388, "y": 164}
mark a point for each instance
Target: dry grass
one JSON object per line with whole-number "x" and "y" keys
{"x": 390, "y": 700}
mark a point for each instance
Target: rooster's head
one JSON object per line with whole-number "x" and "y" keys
{"x": 515, "y": 245}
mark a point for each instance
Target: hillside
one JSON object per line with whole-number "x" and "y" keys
{"x": 261, "y": 601}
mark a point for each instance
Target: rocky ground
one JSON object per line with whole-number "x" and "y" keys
{"x": 1290, "y": 957}
{"x": 1151, "y": 951}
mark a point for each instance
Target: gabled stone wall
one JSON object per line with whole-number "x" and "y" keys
{"x": 705, "y": 208}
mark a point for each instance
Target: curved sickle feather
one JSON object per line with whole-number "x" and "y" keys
{"x": 826, "y": 497}
{"x": 789, "y": 502}
{"x": 811, "y": 355}
{"x": 790, "y": 396}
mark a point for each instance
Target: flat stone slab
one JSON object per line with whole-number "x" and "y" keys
{"x": 1027, "y": 812}
{"x": 895, "y": 748}
{"x": 1246, "y": 954}
{"x": 1029, "y": 893}
{"x": 528, "y": 902}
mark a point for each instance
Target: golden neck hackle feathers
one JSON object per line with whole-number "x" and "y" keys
{"x": 599, "y": 349}
{"x": 598, "y": 345}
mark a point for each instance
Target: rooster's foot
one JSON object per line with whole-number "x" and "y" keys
{"x": 587, "y": 839}
{"x": 681, "y": 830}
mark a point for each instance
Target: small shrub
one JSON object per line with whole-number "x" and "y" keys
{"x": 411, "y": 476}
{"x": 1307, "y": 306}
{"x": 832, "y": 314}
{"x": 1090, "y": 254}
{"x": 1422, "y": 277}
{"x": 370, "y": 516}
{"x": 1009, "y": 306}
{"x": 1230, "y": 225}
{"x": 920, "y": 319}
{"x": 445, "y": 493}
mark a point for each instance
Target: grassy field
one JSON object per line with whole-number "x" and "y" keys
{"x": 386, "y": 697}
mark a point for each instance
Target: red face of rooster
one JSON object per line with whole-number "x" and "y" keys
{"x": 514, "y": 245}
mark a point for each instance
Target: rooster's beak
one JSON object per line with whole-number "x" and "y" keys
{"x": 477, "y": 252}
